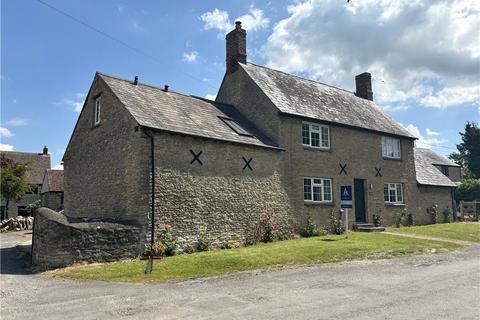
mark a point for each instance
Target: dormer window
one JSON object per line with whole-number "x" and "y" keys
{"x": 98, "y": 107}
{"x": 391, "y": 148}
{"x": 445, "y": 170}
{"x": 315, "y": 135}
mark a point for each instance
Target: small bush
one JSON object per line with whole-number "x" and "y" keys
{"x": 400, "y": 217}
{"x": 447, "y": 213}
{"x": 168, "y": 240}
{"x": 158, "y": 249}
{"x": 410, "y": 219}
{"x": 377, "y": 220}
{"x": 312, "y": 229}
{"x": 204, "y": 242}
{"x": 336, "y": 223}
{"x": 434, "y": 213}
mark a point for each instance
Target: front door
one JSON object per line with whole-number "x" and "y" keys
{"x": 359, "y": 193}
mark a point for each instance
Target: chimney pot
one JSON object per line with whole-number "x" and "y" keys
{"x": 45, "y": 150}
{"x": 236, "y": 47}
{"x": 135, "y": 82}
{"x": 165, "y": 88}
{"x": 363, "y": 84}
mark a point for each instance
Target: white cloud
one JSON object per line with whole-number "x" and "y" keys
{"x": 190, "y": 56}
{"x": 58, "y": 167}
{"x": 430, "y": 132}
{"x": 77, "y": 105}
{"x": 18, "y": 122}
{"x": 425, "y": 142}
{"x": 254, "y": 20}
{"x": 4, "y": 132}
{"x": 6, "y": 147}
{"x": 211, "y": 96}
{"x": 80, "y": 95}
{"x": 452, "y": 96}
{"x": 420, "y": 51}
{"x": 217, "y": 19}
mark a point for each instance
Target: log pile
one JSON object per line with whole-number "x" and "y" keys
{"x": 16, "y": 224}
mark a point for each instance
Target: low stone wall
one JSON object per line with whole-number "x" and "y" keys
{"x": 58, "y": 241}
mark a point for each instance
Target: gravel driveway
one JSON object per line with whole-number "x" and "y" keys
{"x": 436, "y": 286}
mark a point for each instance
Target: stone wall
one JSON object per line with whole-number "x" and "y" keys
{"x": 53, "y": 200}
{"x": 58, "y": 241}
{"x": 425, "y": 198}
{"x": 219, "y": 197}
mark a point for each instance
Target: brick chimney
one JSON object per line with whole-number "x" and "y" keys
{"x": 364, "y": 86}
{"x": 236, "y": 47}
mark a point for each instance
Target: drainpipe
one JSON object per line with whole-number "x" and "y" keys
{"x": 152, "y": 163}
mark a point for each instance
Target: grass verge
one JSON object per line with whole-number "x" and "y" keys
{"x": 466, "y": 231}
{"x": 303, "y": 251}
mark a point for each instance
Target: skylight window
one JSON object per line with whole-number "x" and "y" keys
{"x": 236, "y": 127}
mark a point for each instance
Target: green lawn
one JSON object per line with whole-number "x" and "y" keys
{"x": 468, "y": 231}
{"x": 303, "y": 251}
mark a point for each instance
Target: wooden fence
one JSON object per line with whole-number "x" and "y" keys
{"x": 468, "y": 210}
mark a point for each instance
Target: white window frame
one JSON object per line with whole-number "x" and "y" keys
{"x": 320, "y": 185}
{"x": 97, "y": 111}
{"x": 315, "y": 128}
{"x": 391, "y": 148}
{"x": 397, "y": 189}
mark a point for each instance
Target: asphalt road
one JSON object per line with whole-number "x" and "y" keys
{"x": 435, "y": 286}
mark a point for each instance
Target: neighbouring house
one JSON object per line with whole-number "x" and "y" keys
{"x": 273, "y": 148}
{"x": 437, "y": 178}
{"x": 52, "y": 189}
{"x": 37, "y": 163}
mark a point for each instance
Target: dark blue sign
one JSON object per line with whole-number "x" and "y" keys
{"x": 346, "y": 196}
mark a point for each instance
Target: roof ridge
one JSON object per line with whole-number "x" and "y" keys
{"x": 293, "y": 75}
{"x": 26, "y": 152}
{"x": 144, "y": 84}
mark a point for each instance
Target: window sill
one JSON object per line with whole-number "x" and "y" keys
{"x": 394, "y": 204}
{"x": 393, "y": 159}
{"x": 316, "y": 148}
{"x": 95, "y": 125}
{"x": 318, "y": 204}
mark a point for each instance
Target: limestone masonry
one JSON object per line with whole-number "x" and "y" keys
{"x": 272, "y": 147}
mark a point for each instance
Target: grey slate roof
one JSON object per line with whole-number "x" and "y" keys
{"x": 176, "y": 112}
{"x": 52, "y": 181}
{"x": 427, "y": 173}
{"x": 37, "y": 162}
{"x": 302, "y": 97}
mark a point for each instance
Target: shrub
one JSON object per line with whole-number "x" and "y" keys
{"x": 168, "y": 240}
{"x": 434, "y": 213}
{"x": 33, "y": 206}
{"x": 312, "y": 229}
{"x": 410, "y": 219}
{"x": 204, "y": 242}
{"x": 336, "y": 223}
{"x": 400, "y": 217}
{"x": 158, "y": 249}
{"x": 377, "y": 220}
{"x": 266, "y": 230}
{"x": 447, "y": 213}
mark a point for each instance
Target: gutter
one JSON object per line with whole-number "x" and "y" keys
{"x": 152, "y": 170}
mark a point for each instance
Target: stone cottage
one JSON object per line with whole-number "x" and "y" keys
{"x": 52, "y": 189}
{"x": 37, "y": 163}
{"x": 272, "y": 147}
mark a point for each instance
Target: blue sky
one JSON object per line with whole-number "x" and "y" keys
{"x": 424, "y": 57}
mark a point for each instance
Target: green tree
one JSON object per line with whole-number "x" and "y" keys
{"x": 13, "y": 182}
{"x": 468, "y": 190}
{"x": 468, "y": 155}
